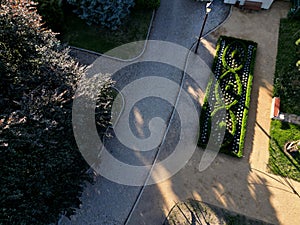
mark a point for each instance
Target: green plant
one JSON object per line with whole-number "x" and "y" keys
{"x": 297, "y": 43}
{"x": 287, "y": 79}
{"x": 286, "y": 86}
{"x": 52, "y": 13}
{"x": 42, "y": 172}
{"x": 294, "y": 11}
{"x": 233, "y": 68}
{"x": 96, "y": 38}
{"x": 279, "y": 162}
{"x": 109, "y": 14}
{"x": 148, "y": 4}
{"x": 234, "y": 52}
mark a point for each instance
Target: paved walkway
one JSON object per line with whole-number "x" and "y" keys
{"x": 106, "y": 202}
{"x": 240, "y": 185}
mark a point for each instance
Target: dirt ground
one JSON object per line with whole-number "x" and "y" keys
{"x": 240, "y": 185}
{"x": 263, "y": 27}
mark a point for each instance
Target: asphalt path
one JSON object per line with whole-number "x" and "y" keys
{"x": 109, "y": 202}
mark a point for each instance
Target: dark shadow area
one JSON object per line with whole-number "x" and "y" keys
{"x": 192, "y": 212}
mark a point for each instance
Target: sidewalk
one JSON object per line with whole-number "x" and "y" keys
{"x": 106, "y": 202}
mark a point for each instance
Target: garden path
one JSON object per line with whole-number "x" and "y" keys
{"x": 240, "y": 185}
{"x": 107, "y": 202}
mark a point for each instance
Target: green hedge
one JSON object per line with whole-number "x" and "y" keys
{"x": 295, "y": 10}
{"x": 107, "y": 14}
{"x": 234, "y": 58}
{"x": 42, "y": 171}
{"x": 287, "y": 79}
{"x": 52, "y": 13}
{"x": 148, "y": 4}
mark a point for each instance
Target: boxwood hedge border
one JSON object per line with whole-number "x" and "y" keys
{"x": 205, "y": 117}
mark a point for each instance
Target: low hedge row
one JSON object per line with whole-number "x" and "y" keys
{"x": 233, "y": 69}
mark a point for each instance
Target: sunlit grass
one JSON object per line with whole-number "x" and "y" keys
{"x": 279, "y": 162}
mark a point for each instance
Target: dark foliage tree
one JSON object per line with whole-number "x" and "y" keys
{"x": 298, "y": 52}
{"x": 52, "y": 13}
{"x": 148, "y": 4}
{"x": 108, "y": 14}
{"x": 42, "y": 172}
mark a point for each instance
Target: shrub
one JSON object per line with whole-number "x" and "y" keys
{"x": 295, "y": 10}
{"x": 297, "y": 43}
{"x": 287, "y": 79}
{"x": 286, "y": 86}
{"x": 108, "y": 14}
{"x": 233, "y": 68}
{"x": 148, "y": 4}
{"x": 42, "y": 172}
{"x": 52, "y": 13}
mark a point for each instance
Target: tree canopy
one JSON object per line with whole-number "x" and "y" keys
{"x": 41, "y": 169}
{"x": 108, "y": 14}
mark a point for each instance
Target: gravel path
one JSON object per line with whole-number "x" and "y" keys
{"x": 107, "y": 202}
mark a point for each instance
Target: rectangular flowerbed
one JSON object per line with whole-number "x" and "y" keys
{"x": 229, "y": 89}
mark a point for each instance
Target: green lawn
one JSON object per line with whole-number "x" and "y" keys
{"x": 77, "y": 33}
{"x": 279, "y": 162}
{"x": 286, "y": 86}
{"x": 287, "y": 75}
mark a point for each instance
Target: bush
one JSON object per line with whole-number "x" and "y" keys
{"x": 108, "y": 14}
{"x": 297, "y": 43}
{"x": 295, "y": 10}
{"x": 148, "y": 4}
{"x": 42, "y": 172}
{"x": 233, "y": 68}
{"x": 286, "y": 86}
{"x": 287, "y": 79}
{"x": 52, "y": 13}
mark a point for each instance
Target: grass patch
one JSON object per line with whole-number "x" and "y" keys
{"x": 287, "y": 75}
{"x": 279, "y": 162}
{"x": 77, "y": 33}
{"x": 286, "y": 86}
